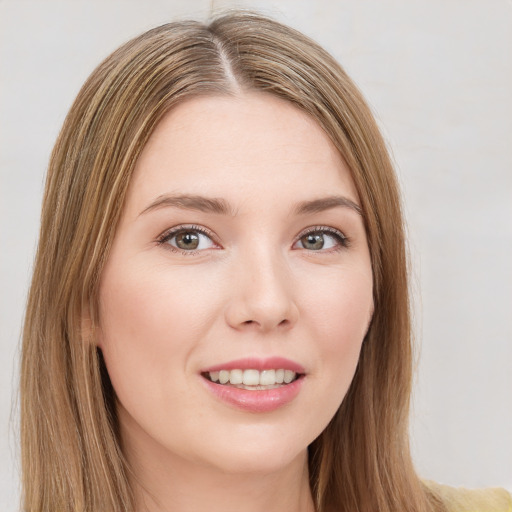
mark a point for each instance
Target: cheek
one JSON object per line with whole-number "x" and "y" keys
{"x": 151, "y": 305}
{"x": 340, "y": 306}
{"x": 149, "y": 322}
{"x": 339, "y": 314}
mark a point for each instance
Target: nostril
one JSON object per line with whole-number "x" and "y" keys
{"x": 283, "y": 322}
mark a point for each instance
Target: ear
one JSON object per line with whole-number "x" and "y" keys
{"x": 370, "y": 318}
{"x": 90, "y": 333}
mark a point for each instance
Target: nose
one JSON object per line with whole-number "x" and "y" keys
{"x": 262, "y": 296}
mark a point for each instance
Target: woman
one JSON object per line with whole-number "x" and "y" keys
{"x": 219, "y": 310}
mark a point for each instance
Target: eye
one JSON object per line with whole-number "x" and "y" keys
{"x": 321, "y": 239}
{"x": 187, "y": 239}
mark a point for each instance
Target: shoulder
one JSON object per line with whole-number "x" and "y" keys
{"x": 459, "y": 499}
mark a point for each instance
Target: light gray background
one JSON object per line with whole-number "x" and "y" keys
{"x": 438, "y": 75}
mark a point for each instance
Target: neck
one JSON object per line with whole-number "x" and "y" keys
{"x": 194, "y": 487}
{"x": 164, "y": 481}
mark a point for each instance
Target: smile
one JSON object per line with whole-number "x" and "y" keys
{"x": 252, "y": 379}
{"x": 255, "y": 385}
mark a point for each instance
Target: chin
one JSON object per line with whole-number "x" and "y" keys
{"x": 262, "y": 462}
{"x": 255, "y": 450}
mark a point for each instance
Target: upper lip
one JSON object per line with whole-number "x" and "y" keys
{"x": 254, "y": 363}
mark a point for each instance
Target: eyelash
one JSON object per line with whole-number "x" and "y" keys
{"x": 163, "y": 239}
{"x": 341, "y": 238}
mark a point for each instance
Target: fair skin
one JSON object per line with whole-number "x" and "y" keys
{"x": 240, "y": 238}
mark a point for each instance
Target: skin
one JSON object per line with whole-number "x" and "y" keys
{"x": 253, "y": 288}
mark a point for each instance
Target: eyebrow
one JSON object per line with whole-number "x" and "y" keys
{"x": 326, "y": 203}
{"x": 191, "y": 202}
{"x": 222, "y": 207}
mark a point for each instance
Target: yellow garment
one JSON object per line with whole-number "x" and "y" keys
{"x": 473, "y": 500}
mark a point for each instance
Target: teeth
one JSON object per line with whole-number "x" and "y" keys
{"x": 288, "y": 376}
{"x": 236, "y": 377}
{"x": 268, "y": 378}
{"x": 253, "y": 377}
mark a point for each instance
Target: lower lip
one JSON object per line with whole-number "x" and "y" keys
{"x": 262, "y": 400}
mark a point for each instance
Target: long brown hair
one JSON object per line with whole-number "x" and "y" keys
{"x": 71, "y": 457}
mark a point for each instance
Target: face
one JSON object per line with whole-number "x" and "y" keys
{"x": 238, "y": 289}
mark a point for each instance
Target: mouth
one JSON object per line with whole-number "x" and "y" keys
{"x": 255, "y": 385}
{"x": 252, "y": 379}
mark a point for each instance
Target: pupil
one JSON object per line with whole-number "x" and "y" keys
{"x": 314, "y": 241}
{"x": 187, "y": 240}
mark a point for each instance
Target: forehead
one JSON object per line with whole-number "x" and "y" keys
{"x": 252, "y": 144}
